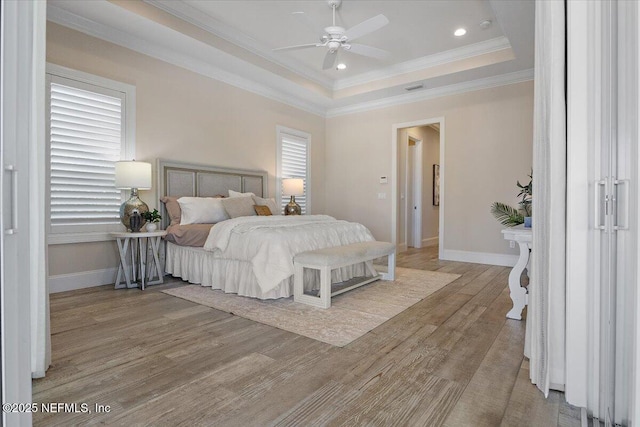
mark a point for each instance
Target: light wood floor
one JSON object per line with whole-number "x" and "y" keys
{"x": 452, "y": 359}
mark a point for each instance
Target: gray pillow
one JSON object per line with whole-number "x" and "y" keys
{"x": 271, "y": 203}
{"x": 239, "y": 206}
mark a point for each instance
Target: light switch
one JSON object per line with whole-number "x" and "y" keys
{"x": 383, "y": 180}
{"x": 382, "y": 196}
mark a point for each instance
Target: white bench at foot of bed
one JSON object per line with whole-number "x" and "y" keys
{"x": 328, "y": 259}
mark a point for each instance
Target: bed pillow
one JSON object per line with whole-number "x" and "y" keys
{"x": 271, "y": 203}
{"x": 262, "y": 210}
{"x": 173, "y": 209}
{"x": 239, "y": 194}
{"x": 238, "y": 206}
{"x": 201, "y": 210}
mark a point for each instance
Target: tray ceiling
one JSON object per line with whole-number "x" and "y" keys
{"x": 234, "y": 41}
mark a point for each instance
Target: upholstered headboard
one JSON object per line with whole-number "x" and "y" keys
{"x": 188, "y": 179}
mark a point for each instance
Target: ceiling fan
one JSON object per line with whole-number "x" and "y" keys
{"x": 337, "y": 37}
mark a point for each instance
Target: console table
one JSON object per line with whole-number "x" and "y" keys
{"x": 522, "y": 236}
{"x": 136, "y": 244}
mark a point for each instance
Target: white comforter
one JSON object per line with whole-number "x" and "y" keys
{"x": 271, "y": 242}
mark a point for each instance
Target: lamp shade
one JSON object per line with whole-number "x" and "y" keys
{"x": 132, "y": 174}
{"x": 293, "y": 186}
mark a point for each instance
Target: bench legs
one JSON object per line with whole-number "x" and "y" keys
{"x": 323, "y": 300}
{"x": 391, "y": 268}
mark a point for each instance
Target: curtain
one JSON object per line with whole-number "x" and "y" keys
{"x": 545, "y": 333}
{"x": 39, "y": 292}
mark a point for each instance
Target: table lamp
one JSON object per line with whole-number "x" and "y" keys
{"x": 292, "y": 187}
{"x": 135, "y": 176}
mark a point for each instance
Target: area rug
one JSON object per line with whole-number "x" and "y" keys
{"x": 350, "y": 316}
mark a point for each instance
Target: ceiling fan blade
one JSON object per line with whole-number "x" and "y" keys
{"x": 366, "y": 27}
{"x": 373, "y": 52}
{"x": 300, "y": 46}
{"x": 329, "y": 60}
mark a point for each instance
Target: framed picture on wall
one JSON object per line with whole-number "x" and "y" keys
{"x": 436, "y": 185}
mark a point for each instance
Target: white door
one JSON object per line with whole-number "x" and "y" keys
{"x": 602, "y": 263}
{"x": 21, "y": 21}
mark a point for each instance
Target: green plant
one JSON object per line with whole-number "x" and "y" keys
{"x": 152, "y": 216}
{"x": 510, "y": 216}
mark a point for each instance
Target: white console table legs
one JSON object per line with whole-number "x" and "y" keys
{"x": 518, "y": 294}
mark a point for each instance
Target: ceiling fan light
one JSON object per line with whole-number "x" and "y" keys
{"x": 341, "y": 66}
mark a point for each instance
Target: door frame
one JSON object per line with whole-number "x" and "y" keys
{"x": 394, "y": 174}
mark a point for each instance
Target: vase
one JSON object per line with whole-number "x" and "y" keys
{"x": 135, "y": 221}
{"x": 151, "y": 226}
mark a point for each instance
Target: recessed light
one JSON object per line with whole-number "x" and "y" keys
{"x": 485, "y": 24}
{"x": 460, "y": 32}
{"x": 341, "y": 66}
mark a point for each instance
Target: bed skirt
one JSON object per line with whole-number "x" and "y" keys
{"x": 205, "y": 268}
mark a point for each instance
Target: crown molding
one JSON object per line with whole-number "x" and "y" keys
{"x": 214, "y": 26}
{"x": 65, "y": 18}
{"x": 458, "y": 88}
{"x": 440, "y": 58}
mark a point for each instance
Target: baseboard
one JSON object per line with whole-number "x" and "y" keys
{"x": 480, "y": 257}
{"x": 431, "y": 241}
{"x": 81, "y": 280}
{"x": 401, "y": 247}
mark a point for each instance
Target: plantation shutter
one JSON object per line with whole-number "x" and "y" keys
{"x": 86, "y": 138}
{"x": 294, "y": 161}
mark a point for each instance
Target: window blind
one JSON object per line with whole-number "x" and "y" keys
{"x": 294, "y": 164}
{"x": 85, "y": 142}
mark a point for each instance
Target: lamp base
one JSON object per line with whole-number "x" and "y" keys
{"x": 130, "y": 208}
{"x": 292, "y": 208}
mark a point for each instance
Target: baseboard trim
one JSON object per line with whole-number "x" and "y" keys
{"x": 401, "y": 247}
{"x": 81, "y": 280}
{"x": 480, "y": 257}
{"x": 431, "y": 241}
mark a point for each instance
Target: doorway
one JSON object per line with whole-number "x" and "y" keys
{"x": 417, "y": 209}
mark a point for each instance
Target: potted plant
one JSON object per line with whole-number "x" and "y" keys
{"x": 152, "y": 218}
{"x": 510, "y": 216}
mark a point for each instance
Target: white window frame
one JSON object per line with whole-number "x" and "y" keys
{"x": 280, "y": 132}
{"x": 87, "y": 233}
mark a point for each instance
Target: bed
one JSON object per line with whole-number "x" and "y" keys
{"x": 246, "y": 255}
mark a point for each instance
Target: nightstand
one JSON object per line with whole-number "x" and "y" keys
{"x": 136, "y": 245}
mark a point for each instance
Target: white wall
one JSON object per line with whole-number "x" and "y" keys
{"x": 488, "y": 137}
{"x": 182, "y": 116}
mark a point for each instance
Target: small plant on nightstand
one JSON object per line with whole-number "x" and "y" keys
{"x": 152, "y": 218}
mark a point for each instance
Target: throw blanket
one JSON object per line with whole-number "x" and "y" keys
{"x": 270, "y": 243}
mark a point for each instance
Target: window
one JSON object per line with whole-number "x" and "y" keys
{"x": 293, "y": 161}
{"x": 90, "y": 127}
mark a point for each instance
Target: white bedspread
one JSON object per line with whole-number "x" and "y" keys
{"x": 271, "y": 242}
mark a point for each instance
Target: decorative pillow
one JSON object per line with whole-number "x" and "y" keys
{"x": 271, "y": 203}
{"x": 238, "y": 206}
{"x": 239, "y": 194}
{"x": 262, "y": 210}
{"x": 201, "y": 210}
{"x": 173, "y": 209}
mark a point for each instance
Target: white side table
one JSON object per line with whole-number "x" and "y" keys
{"x": 518, "y": 294}
{"x": 136, "y": 244}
